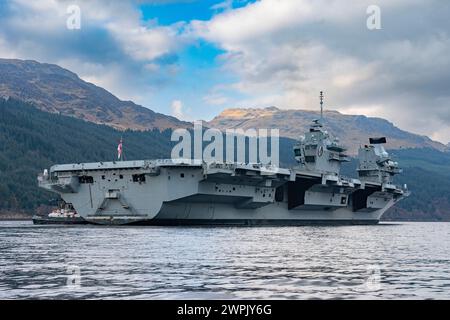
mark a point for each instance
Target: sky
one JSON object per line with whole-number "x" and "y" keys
{"x": 194, "y": 58}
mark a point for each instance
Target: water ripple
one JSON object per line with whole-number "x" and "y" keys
{"x": 396, "y": 261}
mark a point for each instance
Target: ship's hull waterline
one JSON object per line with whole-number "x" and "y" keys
{"x": 224, "y": 215}
{"x": 58, "y": 221}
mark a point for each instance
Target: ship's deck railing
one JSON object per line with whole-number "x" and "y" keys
{"x": 260, "y": 167}
{"x": 44, "y": 179}
{"x": 181, "y": 161}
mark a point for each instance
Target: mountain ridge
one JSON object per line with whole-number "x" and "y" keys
{"x": 353, "y": 130}
{"x": 55, "y": 89}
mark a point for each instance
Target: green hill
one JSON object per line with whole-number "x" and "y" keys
{"x": 426, "y": 172}
{"x": 31, "y": 140}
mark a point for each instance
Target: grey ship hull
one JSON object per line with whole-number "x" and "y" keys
{"x": 164, "y": 192}
{"x": 227, "y": 218}
{"x": 174, "y": 214}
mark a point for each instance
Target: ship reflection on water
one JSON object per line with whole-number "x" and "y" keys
{"x": 405, "y": 260}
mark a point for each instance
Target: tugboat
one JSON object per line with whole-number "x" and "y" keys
{"x": 65, "y": 214}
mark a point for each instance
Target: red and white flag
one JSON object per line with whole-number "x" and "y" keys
{"x": 119, "y": 150}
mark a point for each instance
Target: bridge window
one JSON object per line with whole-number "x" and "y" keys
{"x": 86, "y": 179}
{"x": 310, "y": 159}
{"x": 279, "y": 194}
{"x": 138, "y": 177}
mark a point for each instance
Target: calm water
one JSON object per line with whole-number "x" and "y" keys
{"x": 405, "y": 260}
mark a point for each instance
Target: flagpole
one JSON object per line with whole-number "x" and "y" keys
{"x": 120, "y": 149}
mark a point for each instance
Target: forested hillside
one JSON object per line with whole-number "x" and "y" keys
{"x": 31, "y": 140}
{"x": 427, "y": 174}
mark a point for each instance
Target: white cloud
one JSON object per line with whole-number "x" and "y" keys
{"x": 225, "y": 5}
{"x": 284, "y": 52}
{"x": 120, "y": 18}
{"x": 259, "y": 20}
{"x": 143, "y": 43}
{"x": 177, "y": 109}
{"x": 215, "y": 99}
{"x": 180, "y": 111}
{"x": 281, "y": 52}
{"x": 113, "y": 49}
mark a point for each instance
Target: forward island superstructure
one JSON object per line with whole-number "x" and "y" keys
{"x": 182, "y": 192}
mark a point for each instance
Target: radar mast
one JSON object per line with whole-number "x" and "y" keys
{"x": 321, "y": 106}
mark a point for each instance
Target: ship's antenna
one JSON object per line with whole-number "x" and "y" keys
{"x": 321, "y": 106}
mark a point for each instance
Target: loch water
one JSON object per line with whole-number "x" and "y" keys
{"x": 396, "y": 260}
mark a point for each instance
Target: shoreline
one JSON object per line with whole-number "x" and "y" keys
{"x": 29, "y": 218}
{"x": 10, "y": 216}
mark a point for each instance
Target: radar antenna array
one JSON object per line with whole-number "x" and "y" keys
{"x": 321, "y": 106}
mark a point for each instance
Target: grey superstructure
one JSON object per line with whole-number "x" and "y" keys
{"x": 177, "y": 192}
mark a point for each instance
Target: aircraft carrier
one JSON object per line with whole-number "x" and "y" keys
{"x": 190, "y": 192}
